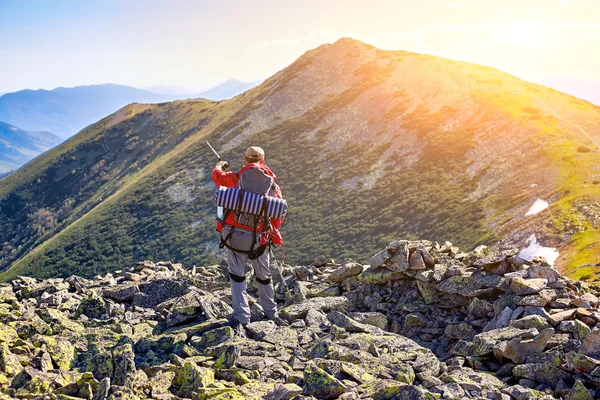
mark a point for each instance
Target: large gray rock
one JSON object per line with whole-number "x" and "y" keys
{"x": 343, "y": 321}
{"x": 194, "y": 304}
{"x": 521, "y": 286}
{"x": 267, "y": 331}
{"x": 518, "y": 349}
{"x": 157, "y": 291}
{"x": 542, "y": 373}
{"x": 484, "y": 342}
{"x": 578, "y": 392}
{"x": 463, "y": 285}
{"x": 121, "y": 293}
{"x": 318, "y": 383}
{"x": 124, "y": 364}
{"x": 591, "y": 343}
{"x": 324, "y": 304}
{"x": 344, "y": 272}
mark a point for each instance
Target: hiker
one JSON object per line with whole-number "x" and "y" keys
{"x": 237, "y": 235}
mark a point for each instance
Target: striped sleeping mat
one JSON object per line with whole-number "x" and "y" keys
{"x": 251, "y": 202}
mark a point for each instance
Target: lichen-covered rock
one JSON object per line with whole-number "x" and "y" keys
{"x": 267, "y": 331}
{"x": 463, "y": 285}
{"x": 517, "y": 349}
{"x": 543, "y": 373}
{"x": 7, "y": 333}
{"x": 324, "y": 304}
{"x": 124, "y": 364}
{"x": 591, "y": 343}
{"x": 61, "y": 350}
{"x": 578, "y": 329}
{"x": 191, "y": 377}
{"x": 344, "y": 272}
{"x": 484, "y": 342}
{"x": 343, "y": 321}
{"x": 466, "y": 376}
{"x": 286, "y": 391}
{"x": 529, "y": 322}
{"x": 379, "y": 275}
{"x": 92, "y": 306}
{"x": 522, "y": 286}
{"x": 102, "y": 391}
{"x": 32, "y": 381}
{"x": 487, "y": 314}
{"x": 9, "y": 363}
{"x": 376, "y": 319}
{"x": 460, "y": 331}
{"x": 121, "y": 294}
{"x": 578, "y": 392}
{"x": 480, "y": 308}
{"x": 580, "y": 363}
{"x": 320, "y": 384}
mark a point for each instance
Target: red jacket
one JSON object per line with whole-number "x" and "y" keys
{"x": 230, "y": 179}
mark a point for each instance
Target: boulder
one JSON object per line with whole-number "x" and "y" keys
{"x": 324, "y": 304}
{"x": 578, "y": 329}
{"x": 318, "y": 383}
{"x": 484, "y": 342}
{"x": 267, "y": 331}
{"x": 522, "y": 286}
{"x": 379, "y": 275}
{"x": 578, "y": 392}
{"x": 344, "y": 272}
{"x": 591, "y": 343}
{"x": 542, "y": 373}
{"x": 518, "y": 349}
{"x": 460, "y": 284}
{"x": 460, "y": 331}
{"x": 192, "y": 377}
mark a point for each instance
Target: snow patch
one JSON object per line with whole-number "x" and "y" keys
{"x": 534, "y": 249}
{"x": 538, "y": 205}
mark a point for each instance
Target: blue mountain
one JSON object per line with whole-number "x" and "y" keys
{"x": 228, "y": 89}
{"x": 66, "y": 111}
{"x": 18, "y": 146}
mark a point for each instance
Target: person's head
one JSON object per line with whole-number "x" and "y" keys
{"x": 254, "y": 154}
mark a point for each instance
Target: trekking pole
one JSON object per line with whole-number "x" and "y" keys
{"x": 225, "y": 165}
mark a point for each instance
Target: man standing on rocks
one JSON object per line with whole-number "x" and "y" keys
{"x": 238, "y": 237}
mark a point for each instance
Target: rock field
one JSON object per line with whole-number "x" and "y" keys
{"x": 422, "y": 321}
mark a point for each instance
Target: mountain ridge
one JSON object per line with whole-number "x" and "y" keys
{"x": 68, "y": 110}
{"x": 469, "y": 149}
{"x": 18, "y": 146}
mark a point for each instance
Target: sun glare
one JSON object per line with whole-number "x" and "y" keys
{"x": 525, "y": 33}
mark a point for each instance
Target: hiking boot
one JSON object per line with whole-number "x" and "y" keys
{"x": 279, "y": 322}
{"x": 239, "y": 329}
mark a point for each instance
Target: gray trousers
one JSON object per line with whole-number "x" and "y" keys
{"x": 241, "y": 239}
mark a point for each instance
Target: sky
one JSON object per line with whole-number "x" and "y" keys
{"x": 198, "y": 44}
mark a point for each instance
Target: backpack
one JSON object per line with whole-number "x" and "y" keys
{"x": 253, "y": 203}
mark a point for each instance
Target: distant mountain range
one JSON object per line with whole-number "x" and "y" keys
{"x": 17, "y": 146}
{"x": 225, "y": 90}
{"x": 587, "y": 90}
{"x": 66, "y": 111}
{"x": 368, "y": 145}
{"x": 228, "y": 89}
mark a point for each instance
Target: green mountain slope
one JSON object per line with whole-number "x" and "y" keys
{"x": 18, "y": 146}
{"x": 368, "y": 145}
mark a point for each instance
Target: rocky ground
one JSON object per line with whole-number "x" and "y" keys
{"x": 422, "y": 321}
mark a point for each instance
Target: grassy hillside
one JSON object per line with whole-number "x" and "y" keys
{"x": 369, "y": 145}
